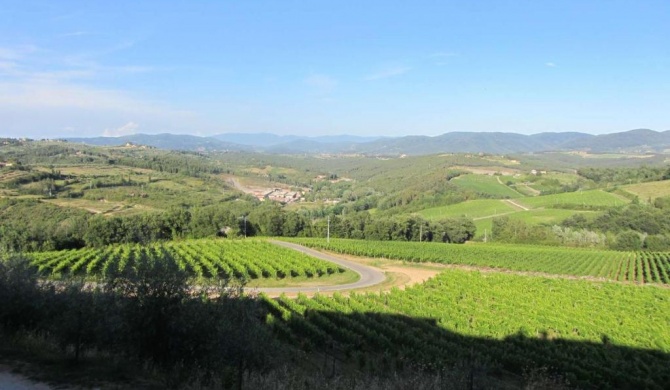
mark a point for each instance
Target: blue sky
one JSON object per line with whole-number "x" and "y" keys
{"x": 332, "y": 67}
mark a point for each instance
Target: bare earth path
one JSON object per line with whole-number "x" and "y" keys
{"x": 369, "y": 276}
{"x": 513, "y": 203}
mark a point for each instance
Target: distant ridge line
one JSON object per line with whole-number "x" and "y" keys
{"x": 632, "y": 141}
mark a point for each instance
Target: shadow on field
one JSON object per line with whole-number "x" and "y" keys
{"x": 376, "y": 342}
{"x": 145, "y": 329}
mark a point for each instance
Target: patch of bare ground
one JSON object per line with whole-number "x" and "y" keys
{"x": 398, "y": 273}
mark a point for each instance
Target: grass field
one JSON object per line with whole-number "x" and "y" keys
{"x": 526, "y": 189}
{"x": 100, "y": 170}
{"x": 11, "y": 175}
{"x": 480, "y": 208}
{"x": 651, "y": 190}
{"x": 546, "y": 209}
{"x": 96, "y": 207}
{"x": 575, "y": 200}
{"x": 486, "y": 184}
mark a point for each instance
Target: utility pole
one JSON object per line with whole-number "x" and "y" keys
{"x": 420, "y": 232}
{"x": 245, "y": 226}
{"x": 328, "y": 231}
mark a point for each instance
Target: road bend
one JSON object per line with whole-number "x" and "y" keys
{"x": 368, "y": 276}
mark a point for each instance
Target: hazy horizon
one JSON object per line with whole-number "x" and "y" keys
{"x": 81, "y": 69}
{"x": 340, "y": 134}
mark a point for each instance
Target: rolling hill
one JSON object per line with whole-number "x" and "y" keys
{"x": 633, "y": 141}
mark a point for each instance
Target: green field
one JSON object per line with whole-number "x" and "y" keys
{"x": 650, "y": 190}
{"x": 639, "y": 267}
{"x": 205, "y": 258}
{"x": 600, "y": 335}
{"x": 485, "y": 184}
{"x": 575, "y": 200}
{"x": 479, "y": 208}
{"x": 545, "y": 209}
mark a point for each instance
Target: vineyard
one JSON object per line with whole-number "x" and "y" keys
{"x": 485, "y": 184}
{"x": 649, "y": 190}
{"x": 638, "y": 267}
{"x": 478, "y": 208}
{"x": 207, "y": 258}
{"x": 595, "y": 334}
{"x": 576, "y": 200}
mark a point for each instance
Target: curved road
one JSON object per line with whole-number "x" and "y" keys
{"x": 368, "y": 276}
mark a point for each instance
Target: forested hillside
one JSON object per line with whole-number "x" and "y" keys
{"x": 92, "y": 196}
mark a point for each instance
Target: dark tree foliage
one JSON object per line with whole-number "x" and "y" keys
{"x": 183, "y": 163}
{"x": 505, "y": 229}
{"x": 20, "y": 298}
{"x": 32, "y": 225}
{"x": 624, "y": 175}
{"x": 148, "y": 315}
{"x": 628, "y": 241}
{"x": 636, "y": 217}
{"x": 662, "y": 202}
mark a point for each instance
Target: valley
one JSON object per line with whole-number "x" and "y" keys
{"x": 491, "y": 257}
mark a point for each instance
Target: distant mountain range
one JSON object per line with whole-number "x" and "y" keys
{"x": 633, "y": 141}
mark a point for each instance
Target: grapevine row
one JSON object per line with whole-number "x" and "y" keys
{"x": 584, "y": 330}
{"x": 638, "y": 267}
{"x": 248, "y": 259}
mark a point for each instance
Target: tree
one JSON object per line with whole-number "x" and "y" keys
{"x": 294, "y": 224}
{"x": 268, "y": 218}
{"x": 456, "y": 230}
{"x": 657, "y": 243}
{"x": 628, "y": 241}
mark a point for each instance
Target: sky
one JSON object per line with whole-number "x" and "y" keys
{"x": 390, "y": 68}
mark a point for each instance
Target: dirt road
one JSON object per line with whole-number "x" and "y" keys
{"x": 369, "y": 276}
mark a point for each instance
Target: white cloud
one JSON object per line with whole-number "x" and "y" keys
{"x": 127, "y": 129}
{"x": 387, "y": 73}
{"x": 7, "y": 66}
{"x": 47, "y": 93}
{"x": 15, "y": 53}
{"x": 44, "y": 93}
{"x": 550, "y": 64}
{"x": 29, "y": 63}
{"x": 43, "y": 109}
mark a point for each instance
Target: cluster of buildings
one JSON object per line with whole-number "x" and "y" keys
{"x": 279, "y": 195}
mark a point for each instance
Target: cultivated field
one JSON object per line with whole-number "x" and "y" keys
{"x": 593, "y": 334}
{"x": 639, "y": 267}
{"x": 485, "y": 184}
{"x": 207, "y": 258}
{"x": 480, "y": 208}
{"x": 650, "y": 190}
{"x": 575, "y": 200}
